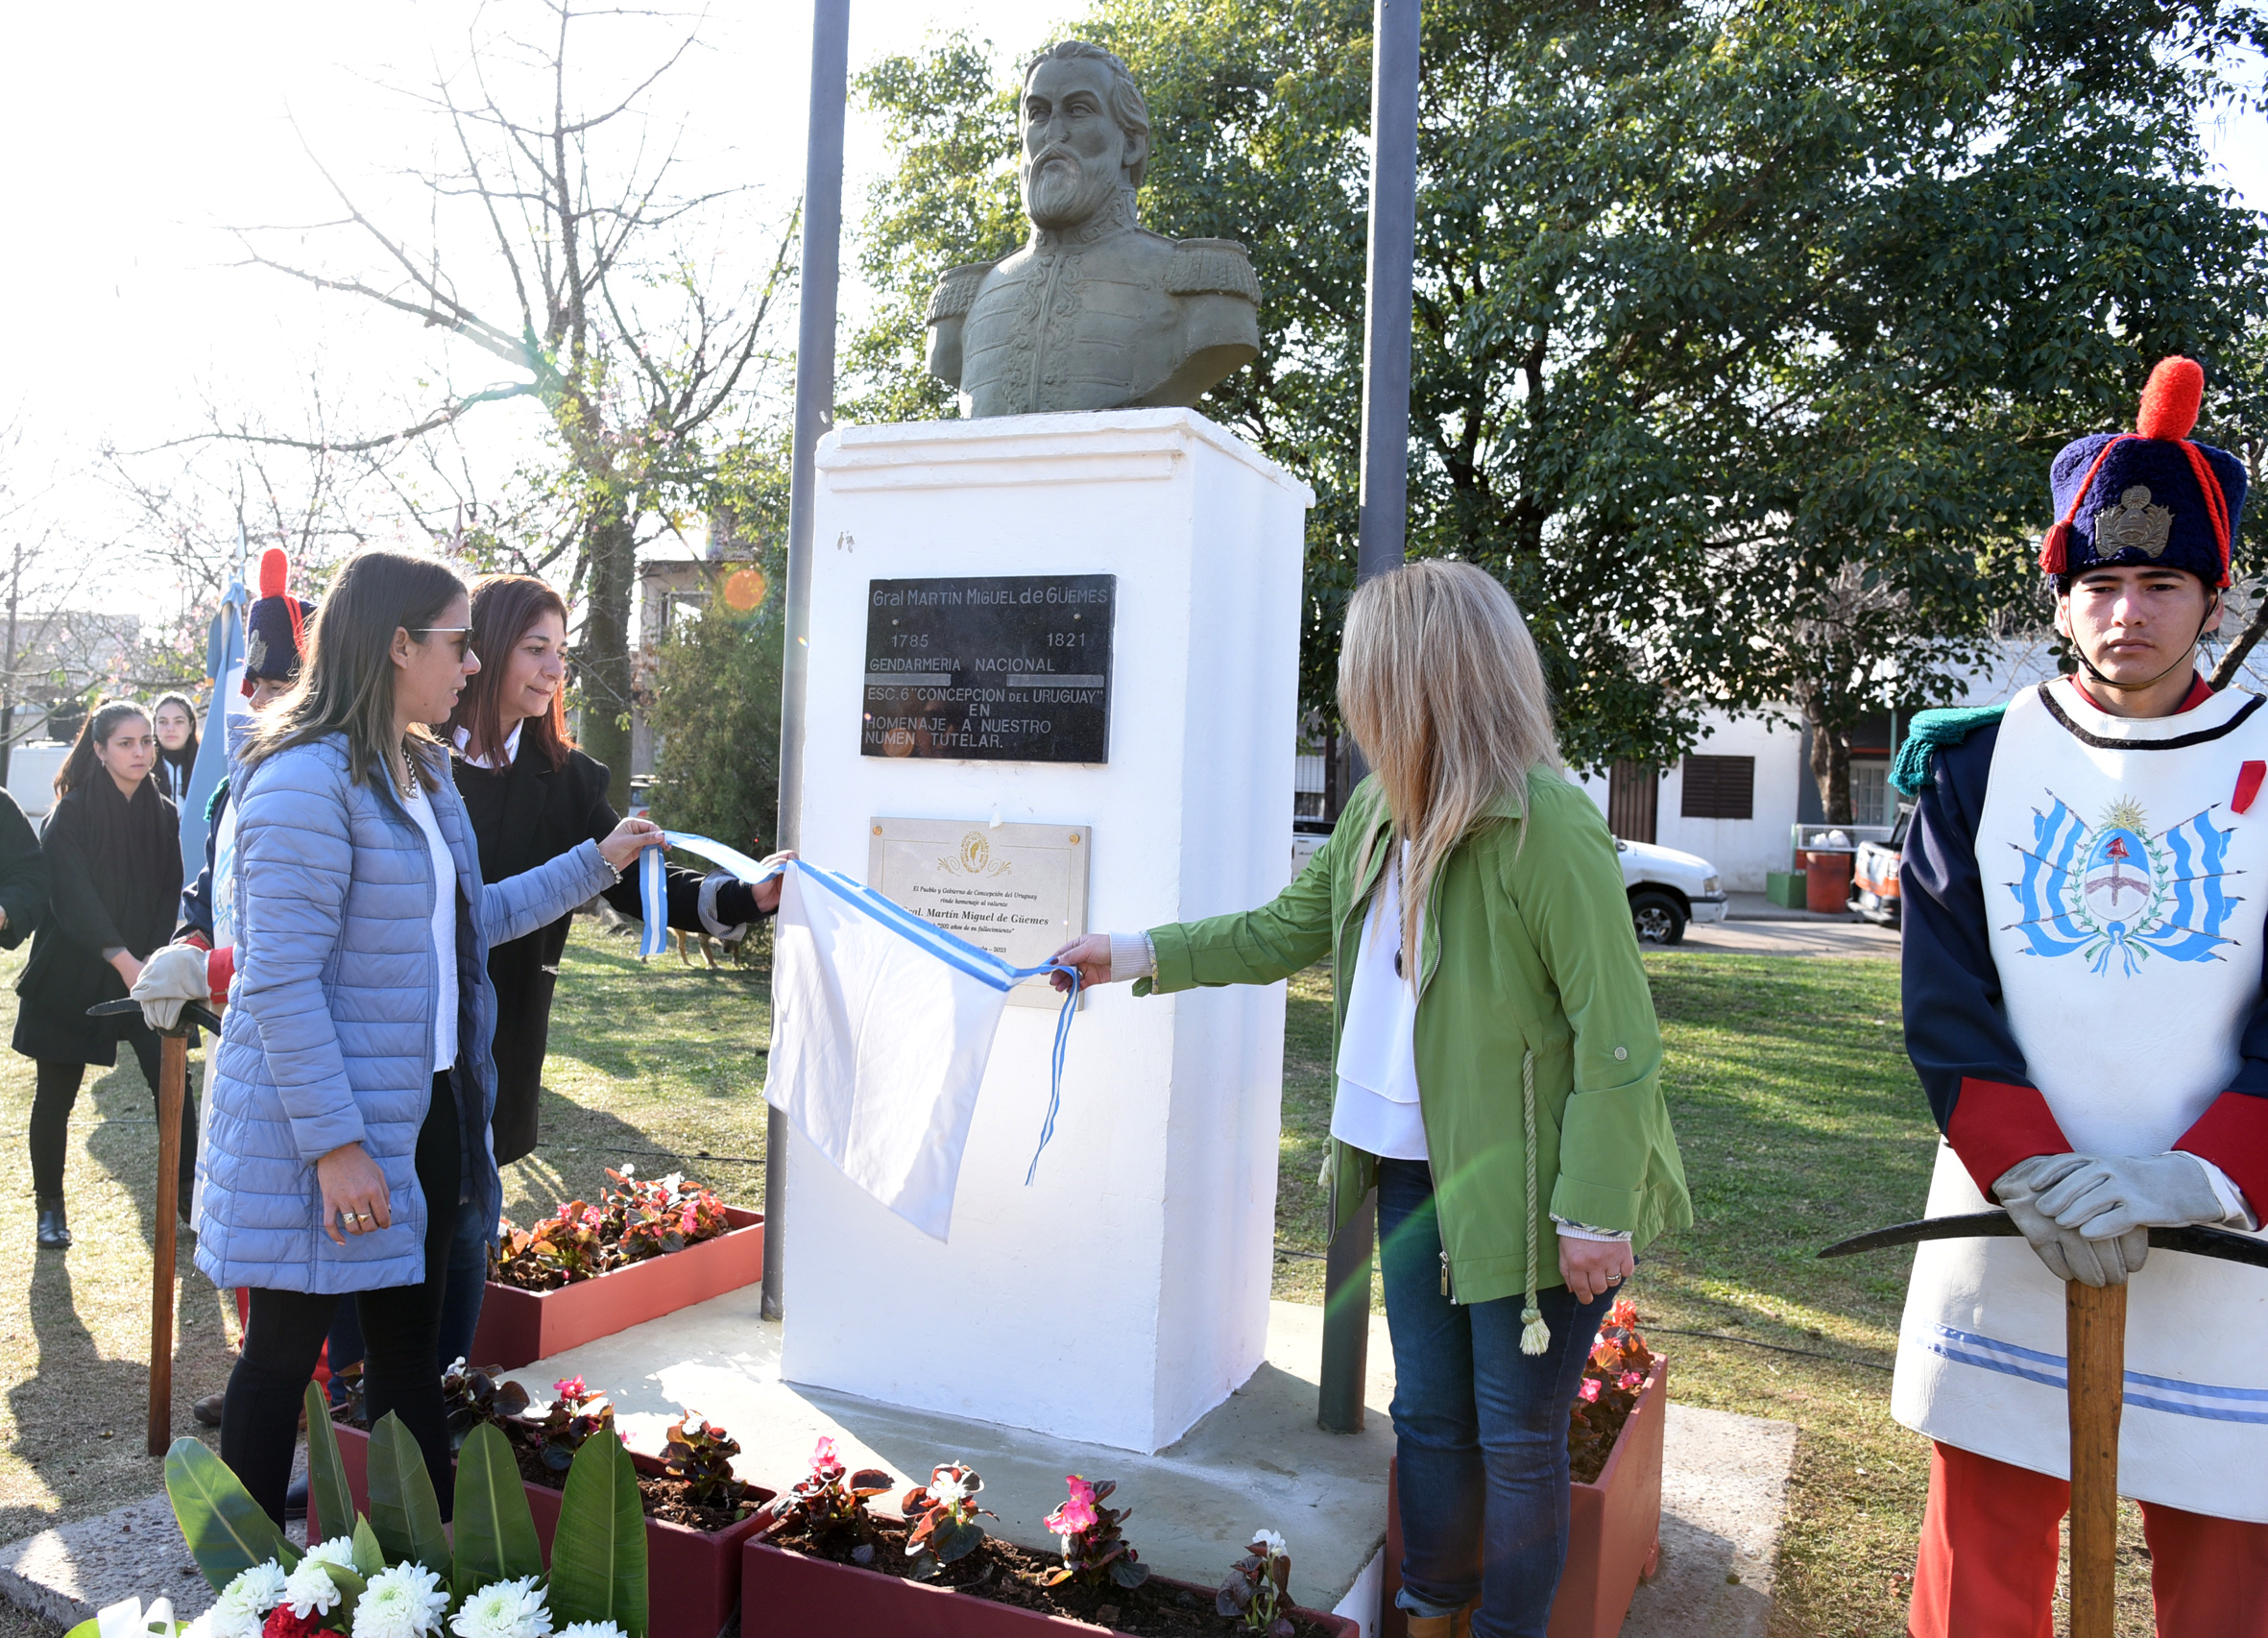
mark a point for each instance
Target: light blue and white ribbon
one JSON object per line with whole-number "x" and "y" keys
{"x": 951, "y": 949}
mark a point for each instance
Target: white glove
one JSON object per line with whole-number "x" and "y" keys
{"x": 171, "y": 977}
{"x": 2107, "y": 1196}
{"x": 2068, "y": 1254}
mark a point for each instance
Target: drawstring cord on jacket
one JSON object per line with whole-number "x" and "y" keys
{"x": 1535, "y": 1334}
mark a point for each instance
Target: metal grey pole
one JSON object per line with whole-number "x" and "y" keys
{"x": 814, "y": 414}
{"x": 1386, "y": 327}
{"x": 1384, "y": 506}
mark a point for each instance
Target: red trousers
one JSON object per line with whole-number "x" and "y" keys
{"x": 1988, "y": 1548}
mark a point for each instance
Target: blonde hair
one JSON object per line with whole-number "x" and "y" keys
{"x": 1440, "y": 683}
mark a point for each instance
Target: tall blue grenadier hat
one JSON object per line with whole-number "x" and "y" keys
{"x": 276, "y": 626}
{"x": 2149, "y": 495}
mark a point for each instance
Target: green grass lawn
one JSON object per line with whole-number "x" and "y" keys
{"x": 1799, "y": 1117}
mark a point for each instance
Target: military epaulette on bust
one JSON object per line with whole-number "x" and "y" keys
{"x": 1929, "y": 729}
{"x": 957, "y": 289}
{"x": 1204, "y": 267}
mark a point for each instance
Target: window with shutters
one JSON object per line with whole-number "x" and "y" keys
{"x": 1719, "y": 787}
{"x": 1631, "y": 792}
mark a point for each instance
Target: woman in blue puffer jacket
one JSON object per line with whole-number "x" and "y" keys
{"x": 352, "y": 1091}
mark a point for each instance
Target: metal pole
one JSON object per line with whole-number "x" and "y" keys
{"x": 1386, "y": 324}
{"x": 1385, "y": 509}
{"x": 814, "y": 414}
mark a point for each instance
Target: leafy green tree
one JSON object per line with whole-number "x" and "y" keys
{"x": 1743, "y": 333}
{"x": 717, "y": 763}
{"x": 716, "y": 677}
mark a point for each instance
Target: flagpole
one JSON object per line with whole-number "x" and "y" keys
{"x": 1383, "y": 512}
{"x": 814, "y": 414}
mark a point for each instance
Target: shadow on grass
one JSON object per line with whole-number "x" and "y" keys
{"x": 70, "y": 1382}
{"x": 1801, "y": 1122}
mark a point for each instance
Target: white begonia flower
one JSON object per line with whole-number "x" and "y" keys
{"x": 1273, "y": 1541}
{"x": 674, "y": 1181}
{"x": 948, "y": 1487}
{"x": 310, "y": 1590}
{"x": 241, "y": 1608}
{"x": 628, "y": 1171}
{"x": 403, "y": 1601}
{"x": 339, "y": 1550}
{"x": 504, "y": 1610}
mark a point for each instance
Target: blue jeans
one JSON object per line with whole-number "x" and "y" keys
{"x": 1479, "y": 1428}
{"x": 466, "y": 1281}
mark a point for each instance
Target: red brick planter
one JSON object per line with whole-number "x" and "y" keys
{"x": 791, "y": 1595}
{"x": 692, "y": 1577}
{"x": 518, "y": 1328}
{"x": 1614, "y": 1535}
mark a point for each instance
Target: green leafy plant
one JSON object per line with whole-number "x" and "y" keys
{"x": 699, "y": 1455}
{"x": 399, "y": 1571}
{"x": 1257, "y": 1591}
{"x": 1094, "y": 1549}
{"x": 943, "y": 1515}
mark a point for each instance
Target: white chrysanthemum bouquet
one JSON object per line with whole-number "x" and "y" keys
{"x": 408, "y": 1578}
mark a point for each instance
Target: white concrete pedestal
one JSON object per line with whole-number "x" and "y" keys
{"x": 1125, "y": 1293}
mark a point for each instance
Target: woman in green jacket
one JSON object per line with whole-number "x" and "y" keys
{"x": 1499, "y": 1072}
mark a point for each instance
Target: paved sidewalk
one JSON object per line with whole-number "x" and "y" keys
{"x": 1825, "y": 936}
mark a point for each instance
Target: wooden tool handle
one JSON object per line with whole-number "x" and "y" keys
{"x": 173, "y": 1092}
{"x": 2096, "y": 1330}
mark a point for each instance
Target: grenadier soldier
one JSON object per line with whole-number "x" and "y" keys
{"x": 2085, "y": 882}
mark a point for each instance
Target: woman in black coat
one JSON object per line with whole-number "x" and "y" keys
{"x": 532, "y": 796}
{"x": 114, "y": 859}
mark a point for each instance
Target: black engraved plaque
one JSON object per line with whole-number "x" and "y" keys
{"x": 998, "y": 669}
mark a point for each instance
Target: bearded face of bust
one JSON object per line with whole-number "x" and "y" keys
{"x": 1075, "y": 156}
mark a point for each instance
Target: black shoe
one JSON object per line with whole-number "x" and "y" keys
{"x": 295, "y": 1500}
{"x": 54, "y": 1234}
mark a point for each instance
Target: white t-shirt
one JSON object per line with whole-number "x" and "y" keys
{"x": 445, "y": 926}
{"x": 1376, "y": 1109}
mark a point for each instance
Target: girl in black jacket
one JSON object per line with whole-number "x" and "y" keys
{"x": 113, "y": 860}
{"x": 533, "y": 796}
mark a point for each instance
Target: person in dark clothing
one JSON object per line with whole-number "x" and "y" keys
{"x": 532, "y": 796}
{"x": 175, "y": 720}
{"x": 115, "y": 877}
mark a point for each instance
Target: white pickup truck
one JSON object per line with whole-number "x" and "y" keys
{"x": 1667, "y": 888}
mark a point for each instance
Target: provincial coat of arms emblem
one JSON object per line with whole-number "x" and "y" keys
{"x": 2114, "y": 887}
{"x": 2133, "y": 522}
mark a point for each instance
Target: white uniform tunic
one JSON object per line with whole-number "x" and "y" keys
{"x": 2126, "y": 905}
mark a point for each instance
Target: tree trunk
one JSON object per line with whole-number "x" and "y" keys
{"x": 1830, "y": 763}
{"x": 603, "y": 659}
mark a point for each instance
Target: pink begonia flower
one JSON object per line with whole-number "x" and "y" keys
{"x": 1588, "y": 1394}
{"x": 568, "y": 1387}
{"x": 1075, "y": 1517}
{"x": 1632, "y": 1381}
{"x": 823, "y": 1456}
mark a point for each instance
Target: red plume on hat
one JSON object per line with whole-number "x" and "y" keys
{"x": 274, "y": 576}
{"x": 2168, "y": 412}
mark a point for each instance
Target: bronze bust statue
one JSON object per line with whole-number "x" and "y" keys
{"x": 1095, "y": 311}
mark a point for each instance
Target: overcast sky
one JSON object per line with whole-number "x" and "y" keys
{"x": 137, "y": 131}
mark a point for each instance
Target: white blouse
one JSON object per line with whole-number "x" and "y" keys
{"x": 445, "y": 926}
{"x": 1376, "y": 1109}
